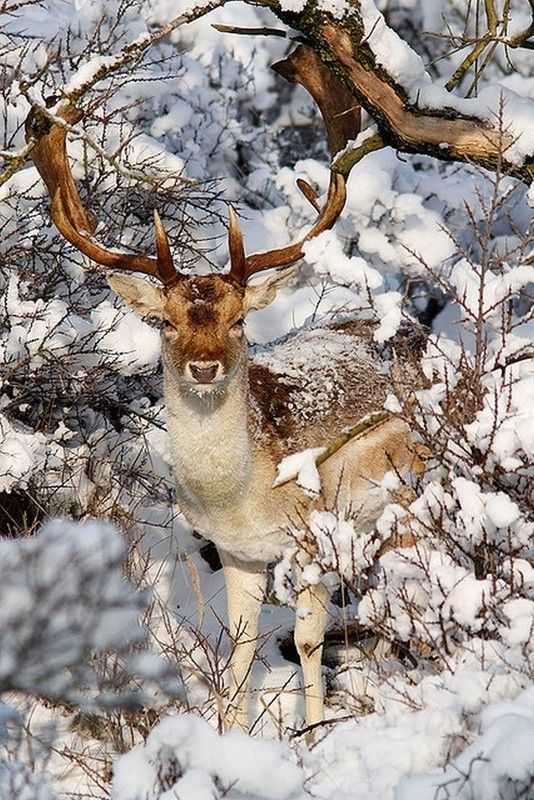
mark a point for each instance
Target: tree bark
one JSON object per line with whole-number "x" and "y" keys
{"x": 443, "y": 133}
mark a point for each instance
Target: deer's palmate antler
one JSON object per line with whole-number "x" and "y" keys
{"x": 70, "y": 217}
{"x": 341, "y": 116}
{"x": 232, "y": 419}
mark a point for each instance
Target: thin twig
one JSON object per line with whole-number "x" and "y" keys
{"x": 363, "y": 426}
{"x": 131, "y": 53}
{"x": 249, "y": 31}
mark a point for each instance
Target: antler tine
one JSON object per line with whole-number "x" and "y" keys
{"x": 285, "y": 256}
{"x": 236, "y": 247}
{"x": 342, "y": 118}
{"x": 309, "y": 193}
{"x": 67, "y": 211}
{"x": 167, "y": 272}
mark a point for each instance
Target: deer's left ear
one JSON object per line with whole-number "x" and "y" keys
{"x": 259, "y": 295}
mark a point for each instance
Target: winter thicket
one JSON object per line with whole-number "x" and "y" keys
{"x": 430, "y": 674}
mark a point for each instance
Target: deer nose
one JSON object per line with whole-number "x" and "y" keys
{"x": 203, "y": 371}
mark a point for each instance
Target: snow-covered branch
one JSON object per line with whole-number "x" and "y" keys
{"x": 184, "y": 757}
{"x": 61, "y": 597}
{"x": 413, "y": 113}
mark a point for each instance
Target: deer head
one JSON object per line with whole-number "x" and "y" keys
{"x": 201, "y": 317}
{"x": 201, "y": 321}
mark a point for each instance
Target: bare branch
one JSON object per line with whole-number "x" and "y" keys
{"x": 250, "y": 31}
{"x": 133, "y": 51}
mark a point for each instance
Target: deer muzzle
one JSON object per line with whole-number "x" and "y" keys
{"x": 204, "y": 371}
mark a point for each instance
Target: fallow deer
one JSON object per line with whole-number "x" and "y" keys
{"x": 230, "y": 419}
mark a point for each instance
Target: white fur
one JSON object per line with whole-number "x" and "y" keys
{"x": 216, "y": 469}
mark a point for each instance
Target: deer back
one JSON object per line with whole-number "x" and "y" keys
{"x": 310, "y": 386}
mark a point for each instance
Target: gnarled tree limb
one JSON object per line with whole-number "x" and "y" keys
{"x": 443, "y": 133}
{"x": 341, "y": 43}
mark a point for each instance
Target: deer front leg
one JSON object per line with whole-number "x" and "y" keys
{"x": 312, "y": 610}
{"x": 245, "y": 589}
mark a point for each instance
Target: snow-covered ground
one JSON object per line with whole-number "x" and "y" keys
{"x": 112, "y": 641}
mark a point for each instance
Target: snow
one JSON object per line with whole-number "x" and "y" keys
{"x": 500, "y": 759}
{"x": 377, "y": 204}
{"x": 337, "y": 8}
{"x": 341, "y": 548}
{"x": 134, "y": 344}
{"x": 87, "y": 72}
{"x": 302, "y": 467}
{"x": 388, "y": 308}
{"x": 433, "y": 696}
{"x": 501, "y": 510}
{"x": 496, "y": 288}
{"x": 184, "y": 756}
{"x": 518, "y": 628}
{"x": 20, "y": 454}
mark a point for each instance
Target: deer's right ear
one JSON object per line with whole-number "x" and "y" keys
{"x": 145, "y": 298}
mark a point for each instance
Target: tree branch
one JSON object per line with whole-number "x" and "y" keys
{"x": 443, "y": 133}
{"x": 522, "y": 39}
{"x": 343, "y": 45}
{"x": 366, "y": 424}
{"x": 130, "y": 54}
{"x": 346, "y": 159}
{"x": 236, "y": 29}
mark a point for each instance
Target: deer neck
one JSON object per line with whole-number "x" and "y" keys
{"x": 211, "y": 447}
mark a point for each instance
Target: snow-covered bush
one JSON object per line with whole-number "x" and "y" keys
{"x": 63, "y": 601}
{"x": 498, "y": 763}
{"x": 470, "y": 571}
{"x": 18, "y": 782}
{"x": 62, "y": 597}
{"x": 185, "y": 757}
{"x": 196, "y": 121}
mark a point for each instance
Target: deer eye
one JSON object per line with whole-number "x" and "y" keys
{"x": 167, "y": 326}
{"x": 237, "y": 325}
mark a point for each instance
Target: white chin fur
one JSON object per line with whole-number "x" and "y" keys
{"x": 205, "y": 388}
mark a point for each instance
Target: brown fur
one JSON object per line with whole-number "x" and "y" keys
{"x": 355, "y": 384}
{"x": 271, "y": 399}
{"x": 201, "y": 312}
